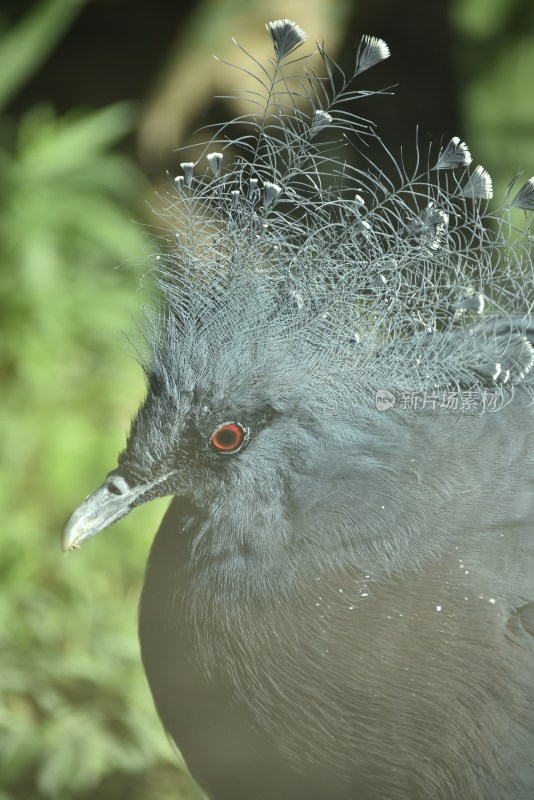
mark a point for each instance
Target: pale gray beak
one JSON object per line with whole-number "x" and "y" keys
{"x": 111, "y": 501}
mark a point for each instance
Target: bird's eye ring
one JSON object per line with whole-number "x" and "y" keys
{"x": 228, "y": 438}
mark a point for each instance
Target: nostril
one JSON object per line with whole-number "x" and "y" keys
{"x": 117, "y": 485}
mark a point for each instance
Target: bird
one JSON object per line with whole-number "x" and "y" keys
{"x": 339, "y": 602}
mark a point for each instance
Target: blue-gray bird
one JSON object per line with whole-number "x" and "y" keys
{"x": 339, "y": 603}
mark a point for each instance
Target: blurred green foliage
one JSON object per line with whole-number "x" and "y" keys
{"x": 76, "y": 718}
{"x": 494, "y": 45}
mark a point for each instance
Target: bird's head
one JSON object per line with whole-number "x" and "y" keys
{"x": 240, "y": 417}
{"x": 264, "y": 425}
{"x": 296, "y": 288}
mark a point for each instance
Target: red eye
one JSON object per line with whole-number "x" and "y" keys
{"x": 228, "y": 438}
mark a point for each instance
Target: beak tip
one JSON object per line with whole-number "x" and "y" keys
{"x": 67, "y": 543}
{"x": 76, "y": 529}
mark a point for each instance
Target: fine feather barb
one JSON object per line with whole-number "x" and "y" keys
{"x": 353, "y": 261}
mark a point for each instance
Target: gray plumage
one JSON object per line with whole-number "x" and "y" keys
{"x": 339, "y": 601}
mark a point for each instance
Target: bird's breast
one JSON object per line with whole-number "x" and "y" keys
{"x": 348, "y": 684}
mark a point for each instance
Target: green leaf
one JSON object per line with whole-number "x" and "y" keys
{"x": 26, "y": 45}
